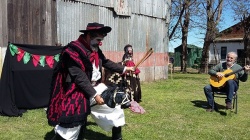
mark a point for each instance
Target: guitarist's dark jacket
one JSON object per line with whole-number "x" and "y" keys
{"x": 240, "y": 76}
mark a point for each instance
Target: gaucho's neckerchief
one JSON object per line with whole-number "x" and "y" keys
{"x": 93, "y": 57}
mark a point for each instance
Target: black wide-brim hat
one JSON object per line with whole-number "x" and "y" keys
{"x": 96, "y": 27}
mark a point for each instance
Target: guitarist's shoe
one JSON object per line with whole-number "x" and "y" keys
{"x": 210, "y": 110}
{"x": 228, "y": 105}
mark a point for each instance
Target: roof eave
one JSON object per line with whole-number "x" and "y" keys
{"x": 229, "y": 40}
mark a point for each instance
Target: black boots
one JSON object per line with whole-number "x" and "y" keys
{"x": 82, "y": 133}
{"x": 117, "y": 133}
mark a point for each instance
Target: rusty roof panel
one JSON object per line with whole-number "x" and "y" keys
{"x": 104, "y": 3}
{"x": 121, "y": 7}
{"x": 146, "y": 7}
{"x": 141, "y": 31}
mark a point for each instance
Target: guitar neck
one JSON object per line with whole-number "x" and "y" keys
{"x": 228, "y": 74}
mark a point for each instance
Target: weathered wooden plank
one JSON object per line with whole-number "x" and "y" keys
{"x": 29, "y": 20}
{"x": 18, "y": 26}
{"x": 34, "y": 30}
{"x": 37, "y": 22}
{"x": 3, "y": 23}
{"x": 54, "y": 23}
{"x": 24, "y": 21}
{"x": 11, "y": 21}
{"x": 43, "y": 20}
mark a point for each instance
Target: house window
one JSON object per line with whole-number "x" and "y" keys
{"x": 223, "y": 52}
{"x": 240, "y": 52}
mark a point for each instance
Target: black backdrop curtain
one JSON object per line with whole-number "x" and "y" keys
{"x": 25, "y": 86}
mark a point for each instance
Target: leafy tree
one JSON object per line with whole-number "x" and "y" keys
{"x": 181, "y": 13}
{"x": 177, "y": 11}
{"x": 213, "y": 14}
{"x": 241, "y": 10}
{"x": 184, "y": 30}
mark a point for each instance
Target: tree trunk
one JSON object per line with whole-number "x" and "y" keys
{"x": 184, "y": 35}
{"x": 246, "y": 22}
{"x": 205, "y": 52}
{"x": 184, "y": 46}
{"x": 215, "y": 54}
{"x": 205, "y": 58}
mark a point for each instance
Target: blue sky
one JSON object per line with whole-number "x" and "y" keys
{"x": 198, "y": 39}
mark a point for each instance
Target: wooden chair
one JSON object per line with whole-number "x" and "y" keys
{"x": 223, "y": 95}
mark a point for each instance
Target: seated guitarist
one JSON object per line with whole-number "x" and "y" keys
{"x": 230, "y": 85}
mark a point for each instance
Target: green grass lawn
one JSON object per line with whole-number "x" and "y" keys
{"x": 174, "y": 111}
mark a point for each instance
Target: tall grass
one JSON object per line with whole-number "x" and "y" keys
{"x": 175, "y": 110}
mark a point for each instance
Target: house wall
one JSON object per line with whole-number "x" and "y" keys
{"x": 231, "y": 47}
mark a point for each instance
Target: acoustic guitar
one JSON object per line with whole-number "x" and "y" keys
{"x": 228, "y": 75}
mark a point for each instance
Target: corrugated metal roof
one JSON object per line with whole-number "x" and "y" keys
{"x": 104, "y": 3}
{"x": 141, "y": 23}
{"x": 142, "y": 31}
{"x": 154, "y": 8}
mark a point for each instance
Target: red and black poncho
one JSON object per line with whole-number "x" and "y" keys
{"x": 71, "y": 87}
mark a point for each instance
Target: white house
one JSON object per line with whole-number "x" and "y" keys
{"x": 230, "y": 39}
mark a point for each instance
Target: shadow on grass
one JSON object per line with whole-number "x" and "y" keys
{"x": 203, "y": 104}
{"x": 89, "y": 134}
{"x": 93, "y": 135}
{"x": 49, "y": 135}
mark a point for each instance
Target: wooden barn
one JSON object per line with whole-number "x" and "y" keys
{"x": 141, "y": 23}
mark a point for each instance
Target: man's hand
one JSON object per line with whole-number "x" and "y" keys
{"x": 130, "y": 69}
{"x": 99, "y": 100}
{"x": 220, "y": 74}
{"x": 247, "y": 68}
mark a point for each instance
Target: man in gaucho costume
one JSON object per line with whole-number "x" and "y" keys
{"x": 76, "y": 83}
{"x": 132, "y": 79}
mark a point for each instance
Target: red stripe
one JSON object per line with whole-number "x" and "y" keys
{"x": 91, "y": 28}
{"x": 75, "y": 58}
{"x": 156, "y": 59}
{"x": 78, "y": 44}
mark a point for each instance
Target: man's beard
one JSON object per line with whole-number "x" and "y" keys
{"x": 94, "y": 47}
{"x": 94, "y": 44}
{"x": 230, "y": 63}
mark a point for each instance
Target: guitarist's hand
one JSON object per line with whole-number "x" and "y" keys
{"x": 220, "y": 74}
{"x": 247, "y": 68}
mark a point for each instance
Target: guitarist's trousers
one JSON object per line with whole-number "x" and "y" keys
{"x": 229, "y": 88}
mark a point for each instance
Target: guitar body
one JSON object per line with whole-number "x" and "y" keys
{"x": 220, "y": 81}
